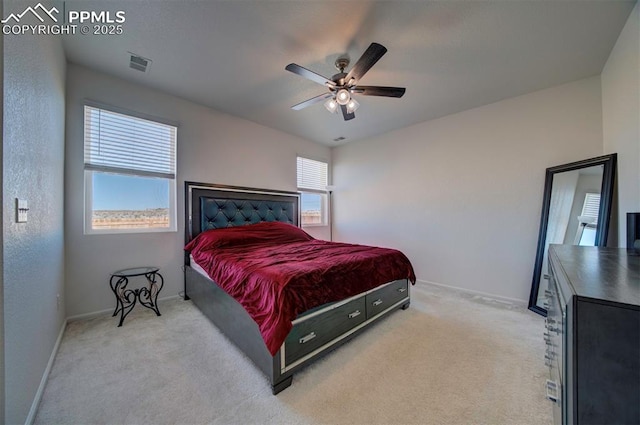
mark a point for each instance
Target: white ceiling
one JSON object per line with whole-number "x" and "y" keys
{"x": 450, "y": 55}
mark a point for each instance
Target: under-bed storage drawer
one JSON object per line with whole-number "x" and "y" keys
{"x": 383, "y": 298}
{"x": 316, "y": 331}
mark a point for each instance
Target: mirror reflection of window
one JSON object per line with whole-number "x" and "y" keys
{"x": 589, "y": 181}
{"x": 588, "y": 220}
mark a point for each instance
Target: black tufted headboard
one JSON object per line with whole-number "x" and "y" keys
{"x": 210, "y": 206}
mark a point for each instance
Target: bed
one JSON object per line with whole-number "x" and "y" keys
{"x": 295, "y": 333}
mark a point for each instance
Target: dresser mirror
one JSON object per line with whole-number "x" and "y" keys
{"x": 576, "y": 209}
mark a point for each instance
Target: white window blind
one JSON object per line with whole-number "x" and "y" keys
{"x": 312, "y": 175}
{"x": 124, "y": 144}
{"x": 591, "y": 206}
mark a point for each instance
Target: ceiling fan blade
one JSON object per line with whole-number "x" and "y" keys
{"x": 312, "y": 101}
{"x": 310, "y": 75}
{"x": 379, "y": 91}
{"x": 372, "y": 55}
{"x": 347, "y": 116}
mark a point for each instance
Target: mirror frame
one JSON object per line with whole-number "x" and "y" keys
{"x": 604, "y": 214}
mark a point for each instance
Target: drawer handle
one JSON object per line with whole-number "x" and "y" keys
{"x": 307, "y": 338}
{"x": 354, "y": 314}
{"x": 377, "y": 302}
{"x": 402, "y": 289}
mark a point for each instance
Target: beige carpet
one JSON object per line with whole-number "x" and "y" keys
{"x": 450, "y": 359}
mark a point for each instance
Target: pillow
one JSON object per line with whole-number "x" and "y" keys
{"x": 275, "y": 232}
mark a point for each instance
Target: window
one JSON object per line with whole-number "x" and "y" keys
{"x": 129, "y": 173}
{"x": 591, "y": 206}
{"x": 588, "y": 220}
{"x": 312, "y": 183}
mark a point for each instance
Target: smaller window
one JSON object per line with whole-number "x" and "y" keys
{"x": 313, "y": 209}
{"x": 312, "y": 183}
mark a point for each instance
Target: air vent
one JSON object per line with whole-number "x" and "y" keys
{"x": 139, "y": 63}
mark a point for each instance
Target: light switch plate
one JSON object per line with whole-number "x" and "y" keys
{"x": 22, "y": 207}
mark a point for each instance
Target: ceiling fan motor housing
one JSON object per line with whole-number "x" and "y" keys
{"x": 342, "y": 63}
{"x": 339, "y": 79}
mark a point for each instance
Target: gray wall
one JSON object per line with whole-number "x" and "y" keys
{"x": 621, "y": 119}
{"x": 33, "y": 169}
{"x": 461, "y": 195}
{"x": 212, "y": 147}
{"x": 2, "y": 225}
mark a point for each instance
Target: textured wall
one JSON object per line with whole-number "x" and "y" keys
{"x": 621, "y": 119}
{"x": 1, "y": 225}
{"x": 33, "y": 169}
{"x": 212, "y": 147}
{"x": 461, "y": 195}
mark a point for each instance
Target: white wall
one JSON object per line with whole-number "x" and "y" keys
{"x": 212, "y": 147}
{"x": 621, "y": 118}
{"x": 461, "y": 195}
{"x": 33, "y": 169}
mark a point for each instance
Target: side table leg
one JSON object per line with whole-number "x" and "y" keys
{"x": 125, "y": 298}
{"x": 118, "y": 288}
{"x": 149, "y": 296}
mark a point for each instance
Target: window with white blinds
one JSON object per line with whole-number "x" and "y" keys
{"x": 591, "y": 206}
{"x": 129, "y": 172}
{"x": 124, "y": 144}
{"x": 312, "y": 175}
{"x": 312, "y": 183}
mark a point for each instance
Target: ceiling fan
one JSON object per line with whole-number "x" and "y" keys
{"x": 343, "y": 85}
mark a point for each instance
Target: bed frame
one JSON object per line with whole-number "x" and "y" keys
{"x": 316, "y": 332}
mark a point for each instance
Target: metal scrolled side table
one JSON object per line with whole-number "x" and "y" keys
{"x": 126, "y": 298}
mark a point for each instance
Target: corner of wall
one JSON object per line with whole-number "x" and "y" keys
{"x": 620, "y": 85}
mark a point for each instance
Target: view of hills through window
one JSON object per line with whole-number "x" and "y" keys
{"x": 311, "y": 208}
{"x": 122, "y": 201}
{"x": 143, "y": 202}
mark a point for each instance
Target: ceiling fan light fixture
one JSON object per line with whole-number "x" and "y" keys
{"x": 331, "y": 105}
{"x": 343, "y": 97}
{"x": 352, "y": 106}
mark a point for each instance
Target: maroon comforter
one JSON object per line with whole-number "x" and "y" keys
{"x": 277, "y": 271}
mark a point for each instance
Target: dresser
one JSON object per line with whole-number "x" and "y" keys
{"x": 593, "y": 335}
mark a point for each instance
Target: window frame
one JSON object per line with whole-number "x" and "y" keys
{"x": 324, "y": 195}
{"x": 324, "y": 209}
{"x": 89, "y": 173}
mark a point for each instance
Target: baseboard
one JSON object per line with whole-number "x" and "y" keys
{"x": 109, "y": 311}
{"x": 45, "y": 376}
{"x": 493, "y": 297}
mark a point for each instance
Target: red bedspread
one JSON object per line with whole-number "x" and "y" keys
{"x": 275, "y": 278}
